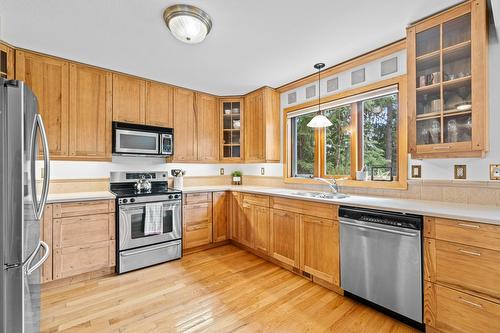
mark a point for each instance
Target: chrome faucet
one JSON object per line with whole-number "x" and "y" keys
{"x": 332, "y": 184}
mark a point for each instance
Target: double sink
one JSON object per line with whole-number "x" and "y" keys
{"x": 320, "y": 195}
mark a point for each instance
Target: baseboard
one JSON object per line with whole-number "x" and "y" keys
{"x": 204, "y": 247}
{"x": 78, "y": 278}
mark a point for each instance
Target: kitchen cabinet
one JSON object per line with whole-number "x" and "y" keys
{"x": 261, "y": 227}
{"x": 284, "y": 240}
{"x": 262, "y": 126}
{"x": 129, "y": 99}
{"x": 46, "y": 236}
{"x": 185, "y": 131}
{"x": 207, "y": 125}
{"x": 83, "y": 239}
{"x": 197, "y": 220}
{"x": 319, "y": 248}
{"x": 461, "y": 269}
{"x": 231, "y": 129}
{"x": 447, "y": 83}
{"x": 48, "y": 78}
{"x": 6, "y": 62}
{"x": 254, "y": 226}
{"x": 90, "y": 113}
{"x": 236, "y": 215}
{"x": 220, "y": 216}
{"x": 159, "y": 105}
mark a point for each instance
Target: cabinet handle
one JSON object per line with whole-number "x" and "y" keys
{"x": 472, "y": 253}
{"x": 471, "y": 226}
{"x": 197, "y": 227}
{"x": 441, "y": 147}
{"x": 470, "y": 303}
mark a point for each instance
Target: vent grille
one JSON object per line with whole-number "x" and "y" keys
{"x": 292, "y": 97}
{"x": 332, "y": 84}
{"x": 310, "y": 91}
{"x": 358, "y": 76}
{"x": 389, "y": 66}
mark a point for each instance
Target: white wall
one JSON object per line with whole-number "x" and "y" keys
{"x": 477, "y": 168}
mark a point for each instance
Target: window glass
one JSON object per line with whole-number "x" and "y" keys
{"x": 303, "y": 146}
{"x": 338, "y": 141}
{"x": 379, "y": 142}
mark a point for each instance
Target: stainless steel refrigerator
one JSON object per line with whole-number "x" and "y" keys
{"x": 22, "y": 201}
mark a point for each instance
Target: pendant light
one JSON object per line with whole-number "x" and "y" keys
{"x": 319, "y": 120}
{"x": 187, "y": 23}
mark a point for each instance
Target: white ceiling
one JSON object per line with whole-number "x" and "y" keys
{"x": 252, "y": 43}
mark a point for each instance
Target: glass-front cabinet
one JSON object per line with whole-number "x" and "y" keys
{"x": 232, "y": 129}
{"x": 447, "y": 83}
{"x": 6, "y": 62}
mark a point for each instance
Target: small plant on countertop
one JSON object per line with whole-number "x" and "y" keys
{"x": 236, "y": 177}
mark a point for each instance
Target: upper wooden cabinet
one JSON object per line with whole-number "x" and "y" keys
{"x": 159, "y": 104}
{"x": 447, "y": 83}
{"x": 90, "y": 113}
{"x": 48, "y": 78}
{"x": 262, "y": 126}
{"x": 207, "y": 124}
{"x": 6, "y": 61}
{"x": 129, "y": 99}
{"x": 185, "y": 131}
{"x": 231, "y": 129}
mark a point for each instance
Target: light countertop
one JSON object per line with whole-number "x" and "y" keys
{"x": 79, "y": 196}
{"x": 477, "y": 213}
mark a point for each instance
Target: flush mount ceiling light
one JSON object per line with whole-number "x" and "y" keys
{"x": 319, "y": 120}
{"x": 187, "y": 23}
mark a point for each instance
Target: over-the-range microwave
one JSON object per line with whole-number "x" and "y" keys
{"x": 142, "y": 140}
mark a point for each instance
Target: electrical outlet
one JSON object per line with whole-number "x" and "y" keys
{"x": 262, "y": 171}
{"x": 221, "y": 171}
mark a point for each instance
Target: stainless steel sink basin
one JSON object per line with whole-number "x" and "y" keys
{"x": 320, "y": 195}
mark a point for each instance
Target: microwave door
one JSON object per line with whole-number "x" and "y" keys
{"x": 136, "y": 142}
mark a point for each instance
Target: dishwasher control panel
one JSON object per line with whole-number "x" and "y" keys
{"x": 396, "y": 219}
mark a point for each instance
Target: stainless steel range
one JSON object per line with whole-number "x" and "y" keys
{"x": 148, "y": 219}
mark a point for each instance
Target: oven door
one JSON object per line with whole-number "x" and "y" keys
{"x": 136, "y": 142}
{"x": 131, "y": 225}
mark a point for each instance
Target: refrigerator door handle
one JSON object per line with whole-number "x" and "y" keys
{"x": 40, "y": 206}
{"x": 33, "y": 268}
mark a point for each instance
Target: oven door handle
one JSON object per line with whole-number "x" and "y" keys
{"x": 149, "y": 249}
{"x": 357, "y": 224}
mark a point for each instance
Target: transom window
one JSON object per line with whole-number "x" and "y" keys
{"x": 364, "y": 134}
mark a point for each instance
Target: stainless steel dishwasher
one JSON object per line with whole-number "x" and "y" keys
{"x": 381, "y": 259}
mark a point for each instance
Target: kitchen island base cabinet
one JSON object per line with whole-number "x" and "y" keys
{"x": 285, "y": 243}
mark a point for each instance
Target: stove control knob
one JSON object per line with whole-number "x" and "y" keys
{"x": 124, "y": 200}
{"x": 177, "y": 196}
{"x": 132, "y": 200}
{"x": 170, "y": 196}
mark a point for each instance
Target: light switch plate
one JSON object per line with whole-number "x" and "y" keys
{"x": 262, "y": 171}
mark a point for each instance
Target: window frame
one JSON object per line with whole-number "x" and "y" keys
{"x": 400, "y": 182}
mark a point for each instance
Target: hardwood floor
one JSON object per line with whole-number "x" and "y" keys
{"x": 223, "y": 289}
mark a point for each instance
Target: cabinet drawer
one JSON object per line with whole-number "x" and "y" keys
{"x": 305, "y": 207}
{"x": 194, "y": 198}
{"x": 197, "y": 234}
{"x": 255, "y": 199}
{"x": 468, "y": 268}
{"x": 470, "y": 233}
{"x": 76, "y": 260}
{"x": 197, "y": 213}
{"x": 460, "y": 313}
{"x": 81, "y": 230}
{"x": 80, "y": 208}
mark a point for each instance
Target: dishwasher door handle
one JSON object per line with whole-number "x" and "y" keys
{"x": 392, "y": 231}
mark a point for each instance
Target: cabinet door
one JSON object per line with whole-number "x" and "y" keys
{"x": 254, "y": 128}
{"x": 207, "y": 118}
{"x": 185, "y": 143}
{"x": 246, "y": 228}
{"x": 46, "y": 236}
{"x": 129, "y": 99}
{"x": 48, "y": 78}
{"x": 319, "y": 248}
{"x": 90, "y": 113}
{"x": 159, "y": 105}
{"x": 285, "y": 243}
{"x": 236, "y": 213}
{"x": 197, "y": 225}
{"x": 220, "y": 216}
{"x": 272, "y": 137}
{"x": 261, "y": 229}
{"x": 6, "y": 62}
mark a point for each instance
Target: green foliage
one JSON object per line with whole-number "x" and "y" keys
{"x": 338, "y": 141}
{"x": 304, "y": 145}
{"x": 236, "y": 173}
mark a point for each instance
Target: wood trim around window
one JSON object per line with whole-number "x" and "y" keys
{"x": 399, "y": 183}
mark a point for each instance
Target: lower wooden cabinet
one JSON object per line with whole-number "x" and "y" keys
{"x": 81, "y": 236}
{"x": 261, "y": 229}
{"x": 197, "y": 222}
{"x": 236, "y": 215}
{"x": 245, "y": 225}
{"x": 220, "y": 216}
{"x": 284, "y": 237}
{"x": 319, "y": 248}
